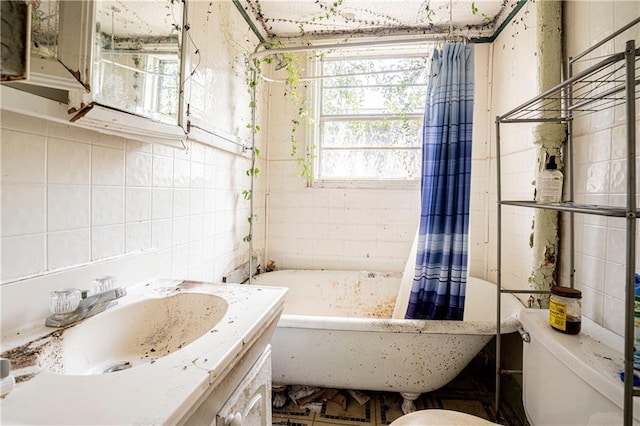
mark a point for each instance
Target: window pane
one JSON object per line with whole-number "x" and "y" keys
{"x": 370, "y": 164}
{"x": 374, "y": 100}
{"x": 353, "y": 66}
{"x": 371, "y": 133}
{"x": 370, "y": 120}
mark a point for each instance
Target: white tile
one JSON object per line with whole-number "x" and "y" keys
{"x": 179, "y": 261}
{"x": 181, "y": 202}
{"x": 592, "y": 272}
{"x": 209, "y": 225}
{"x": 613, "y": 314}
{"x": 162, "y": 171}
{"x": 195, "y": 254}
{"x": 209, "y": 200}
{"x": 22, "y": 256}
{"x": 599, "y": 146}
{"x": 161, "y": 233}
{"x": 23, "y": 157}
{"x": 137, "y": 236}
{"x": 196, "y": 227}
{"x": 208, "y": 272}
{"x": 133, "y": 145}
{"x": 165, "y": 151}
{"x": 197, "y": 201}
{"x": 616, "y": 245}
{"x": 68, "y": 207}
{"x": 22, "y": 123}
{"x": 138, "y": 204}
{"x": 180, "y": 231}
{"x": 197, "y": 152}
{"x": 615, "y": 280}
{"x": 181, "y": 173}
{"x": 197, "y": 175}
{"x": 68, "y": 162}
{"x": 618, "y": 142}
{"x": 107, "y": 241}
{"x": 69, "y": 132}
{"x": 618, "y": 180}
{"x": 107, "y": 166}
{"x": 68, "y": 248}
{"x": 107, "y": 205}
{"x": 23, "y": 210}
{"x": 209, "y": 155}
{"x": 138, "y": 170}
{"x": 164, "y": 263}
{"x": 208, "y": 249}
{"x": 110, "y": 141}
{"x": 209, "y": 176}
{"x": 162, "y": 203}
{"x": 594, "y": 239}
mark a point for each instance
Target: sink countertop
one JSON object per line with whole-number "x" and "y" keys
{"x": 162, "y": 392}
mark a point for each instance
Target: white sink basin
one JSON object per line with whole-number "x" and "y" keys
{"x": 135, "y": 334}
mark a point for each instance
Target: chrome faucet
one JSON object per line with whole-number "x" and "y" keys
{"x": 67, "y": 311}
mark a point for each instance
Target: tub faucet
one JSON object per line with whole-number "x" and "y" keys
{"x": 72, "y": 305}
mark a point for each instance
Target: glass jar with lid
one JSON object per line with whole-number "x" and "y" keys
{"x": 565, "y": 309}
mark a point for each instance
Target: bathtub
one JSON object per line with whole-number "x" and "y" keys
{"x": 336, "y": 331}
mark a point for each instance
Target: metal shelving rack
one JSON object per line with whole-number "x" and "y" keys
{"x": 608, "y": 83}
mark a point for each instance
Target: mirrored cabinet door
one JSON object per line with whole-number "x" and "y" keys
{"x": 137, "y": 57}
{"x": 61, "y": 43}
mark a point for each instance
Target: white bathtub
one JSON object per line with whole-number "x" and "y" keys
{"x": 336, "y": 331}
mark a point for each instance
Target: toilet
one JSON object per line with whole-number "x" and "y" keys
{"x": 567, "y": 380}
{"x": 439, "y": 417}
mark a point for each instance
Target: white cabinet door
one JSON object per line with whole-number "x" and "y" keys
{"x": 61, "y": 44}
{"x": 250, "y": 403}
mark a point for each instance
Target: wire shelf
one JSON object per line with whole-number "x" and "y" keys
{"x": 600, "y": 86}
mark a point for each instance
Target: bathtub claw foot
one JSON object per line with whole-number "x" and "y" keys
{"x": 279, "y": 395}
{"x": 407, "y": 405}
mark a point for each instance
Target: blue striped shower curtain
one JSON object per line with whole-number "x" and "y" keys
{"x": 441, "y": 261}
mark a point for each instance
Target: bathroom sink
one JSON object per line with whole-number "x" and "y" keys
{"x": 135, "y": 334}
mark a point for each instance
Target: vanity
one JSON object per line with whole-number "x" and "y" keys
{"x": 169, "y": 352}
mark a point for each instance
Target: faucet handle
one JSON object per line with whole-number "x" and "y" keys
{"x": 64, "y": 301}
{"x": 100, "y": 285}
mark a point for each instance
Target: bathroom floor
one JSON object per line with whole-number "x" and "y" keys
{"x": 471, "y": 392}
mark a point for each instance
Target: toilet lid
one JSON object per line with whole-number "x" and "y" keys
{"x": 439, "y": 417}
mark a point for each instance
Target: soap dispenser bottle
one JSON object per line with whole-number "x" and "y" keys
{"x": 550, "y": 183}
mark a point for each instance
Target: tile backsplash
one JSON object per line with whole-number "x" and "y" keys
{"x": 71, "y": 196}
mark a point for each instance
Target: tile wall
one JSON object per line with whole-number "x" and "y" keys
{"x": 600, "y": 150}
{"x": 72, "y": 196}
{"x": 512, "y": 57}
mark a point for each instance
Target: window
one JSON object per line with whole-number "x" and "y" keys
{"x": 167, "y": 87}
{"x": 370, "y": 117}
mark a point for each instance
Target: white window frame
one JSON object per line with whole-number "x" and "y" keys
{"x": 316, "y": 137}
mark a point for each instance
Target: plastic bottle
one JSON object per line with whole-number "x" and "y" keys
{"x": 636, "y": 328}
{"x": 550, "y": 183}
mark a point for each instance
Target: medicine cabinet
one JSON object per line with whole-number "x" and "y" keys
{"x": 137, "y": 57}
{"x": 109, "y": 65}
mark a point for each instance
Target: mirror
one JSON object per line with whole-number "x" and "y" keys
{"x": 137, "y": 57}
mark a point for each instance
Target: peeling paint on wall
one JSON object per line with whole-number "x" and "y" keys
{"x": 550, "y": 138}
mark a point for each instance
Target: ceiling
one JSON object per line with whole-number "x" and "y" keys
{"x": 331, "y": 18}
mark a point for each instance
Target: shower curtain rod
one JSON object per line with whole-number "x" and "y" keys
{"x": 354, "y": 74}
{"x": 262, "y": 53}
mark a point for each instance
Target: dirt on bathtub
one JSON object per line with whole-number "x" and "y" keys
{"x": 383, "y": 309}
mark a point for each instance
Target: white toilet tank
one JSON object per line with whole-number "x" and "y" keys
{"x": 572, "y": 380}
